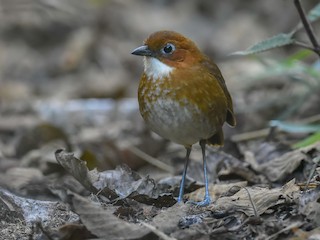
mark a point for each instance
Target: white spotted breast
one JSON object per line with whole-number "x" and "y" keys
{"x": 179, "y": 121}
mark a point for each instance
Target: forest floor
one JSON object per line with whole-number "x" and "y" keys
{"x": 77, "y": 161}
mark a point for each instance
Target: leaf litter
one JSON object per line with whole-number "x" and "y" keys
{"x": 118, "y": 181}
{"x": 267, "y": 190}
{"x": 235, "y": 204}
{"x": 257, "y": 196}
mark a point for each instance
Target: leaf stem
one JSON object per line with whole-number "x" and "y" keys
{"x": 307, "y": 26}
{"x": 304, "y": 45}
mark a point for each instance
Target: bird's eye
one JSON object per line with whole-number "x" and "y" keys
{"x": 168, "y": 48}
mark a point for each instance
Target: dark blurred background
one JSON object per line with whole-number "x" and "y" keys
{"x": 66, "y": 49}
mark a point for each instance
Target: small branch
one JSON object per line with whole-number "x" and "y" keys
{"x": 247, "y": 136}
{"x": 153, "y": 161}
{"x": 304, "y": 45}
{"x": 290, "y": 227}
{"x": 307, "y": 26}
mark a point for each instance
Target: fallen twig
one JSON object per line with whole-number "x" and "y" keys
{"x": 293, "y": 225}
{"x": 153, "y": 161}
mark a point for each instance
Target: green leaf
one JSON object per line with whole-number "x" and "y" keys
{"x": 314, "y": 13}
{"x": 277, "y": 41}
{"x": 308, "y": 141}
{"x": 294, "y": 64}
{"x": 298, "y": 56}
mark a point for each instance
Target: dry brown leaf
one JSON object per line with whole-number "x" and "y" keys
{"x": 300, "y": 234}
{"x": 156, "y": 231}
{"x": 18, "y": 178}
{"x": 216, "y": 190}
{"x": 309, "y": 205}
{"x": 168, "y": 220}
{"x": 115, "y": 184}
{"x": 226, "y": 167}
{"x": 103, "y": 223}
{"x": 73, "y": 232}
{"x": 279, "y": 167}
{"x": 262, "y": 198}
{"x": 77, "y": 168}
{"x": 125, "y": 182}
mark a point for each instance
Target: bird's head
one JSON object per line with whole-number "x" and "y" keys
{"x": 165, "y": 51}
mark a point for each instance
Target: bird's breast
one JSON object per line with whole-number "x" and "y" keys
{"x": 169, "y": 113}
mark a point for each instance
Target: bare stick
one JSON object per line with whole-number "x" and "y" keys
{"x": 264, "y": 132}
{"x": 290, "y": 227}
{"x": 304, "y": 45}
{"x": 307, "y": 26}
{"x": 151, "y": 160}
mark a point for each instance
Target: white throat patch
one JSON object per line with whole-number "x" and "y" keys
{"x": 155, "y": 69}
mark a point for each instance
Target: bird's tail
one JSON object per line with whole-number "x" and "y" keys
{"x": 217, "y": 139}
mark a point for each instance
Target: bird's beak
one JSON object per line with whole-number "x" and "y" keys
{"x": 142, "y": 51}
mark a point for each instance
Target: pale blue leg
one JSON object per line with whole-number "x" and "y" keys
{"x": 207, "y": 200}
{"x": 180, "y": 198}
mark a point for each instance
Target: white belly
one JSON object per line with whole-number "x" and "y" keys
{"x": 181, "y": 124}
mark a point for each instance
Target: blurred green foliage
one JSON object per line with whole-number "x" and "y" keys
{"x": 298, "y": 70}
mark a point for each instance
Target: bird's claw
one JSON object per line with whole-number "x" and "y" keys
{"x": 205, "y": 202}
{"x": 180, "y": 200}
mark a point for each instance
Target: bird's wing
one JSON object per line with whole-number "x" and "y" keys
{"x": 215, "y": 71}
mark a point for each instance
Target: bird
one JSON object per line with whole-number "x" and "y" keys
{"x": 183, "y": 97}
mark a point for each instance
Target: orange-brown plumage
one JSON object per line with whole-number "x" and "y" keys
{"x": 182, "y": 94}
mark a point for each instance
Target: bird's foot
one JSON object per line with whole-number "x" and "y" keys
{"x": 180, "y": 200}
{"x": 205, "y": 202}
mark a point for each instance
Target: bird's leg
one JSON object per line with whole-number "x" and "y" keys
{"x": 180, "y": 198}
{"x": 207, "y": 200}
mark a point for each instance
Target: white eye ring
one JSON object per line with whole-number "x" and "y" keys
{"x": 168, "y": 48}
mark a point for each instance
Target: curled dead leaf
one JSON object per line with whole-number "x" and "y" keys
{"x": 119, "y": 183}
{"x": 262, "y": 198}
{"x": 279, "y": 167}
